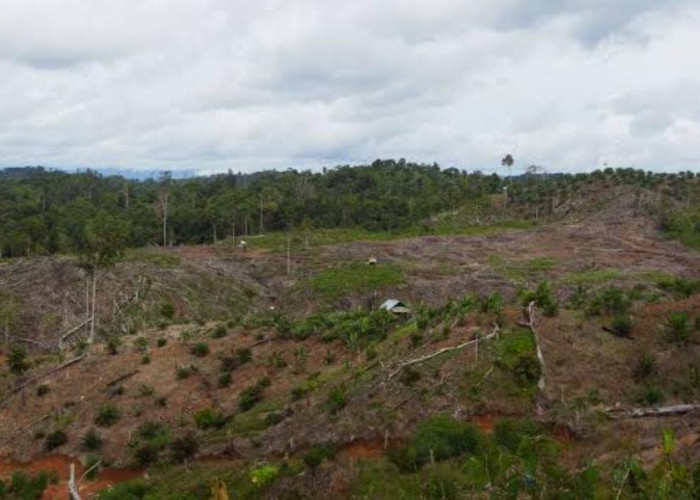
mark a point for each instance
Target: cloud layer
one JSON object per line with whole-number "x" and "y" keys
{"x": 216, "y": 84}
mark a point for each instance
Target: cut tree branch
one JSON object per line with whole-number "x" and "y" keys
{"x": 431, "y": 355}
{"x": 661, "y": 411}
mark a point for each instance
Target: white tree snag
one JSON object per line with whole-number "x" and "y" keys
{"x": 73, "y": 493}
{"x": 661, "y": 411}
{"x": 431, "y": 355}
{"x": 541, "y": 384}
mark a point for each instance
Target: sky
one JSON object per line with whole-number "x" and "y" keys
{"x": 209, "y": 85}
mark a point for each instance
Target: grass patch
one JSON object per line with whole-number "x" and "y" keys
{"x": 593, "y": 276}
{"x": 337, "y": 282}
{"x": 519, "y": 271}
{"x": 165, "y": 260}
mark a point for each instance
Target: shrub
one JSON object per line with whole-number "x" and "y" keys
{"x": 107, "y": 415}
{"x": 646, "y": 367}
{"x": 611, "y": 301}
{"x": 678, "y": 326}
{"x": 146, "y": 390}
{"x": 42, "y": 390}
{"x": 146, "y": 454}
{"x": 317, "y": 454}
{"x": 622, "y": 325}
{"x": 161, "y": 342}
{"x": 210, "y": 418}
{"x": 410, "y": 376}
{"x": 438, "y": 438}
{"x": 492, "y": 304}
{"x": 527, "y": 369}
{"x": 218, "y": 332}
{"x": 336, "y": 400}
{"x": 91, "y": 441}
{"x": 252, "y": 395}
{"x": 113, "y": 345}
{"x": 224, "y": 380}
{"x": 330, "y": 358}
{"x": 510, "y": 432}
{"x": 653, "y": 396}
{"x": 55, "y": 439}
{"x": 200, "y": 349}
{"x": 543, "y": 297}
{"x": 243, "y": 355}
{"x": 183, "y": 372}
{"x": 184, "y": 447}
{"x": 141, "y": 344}
{"x": 273, "y": 418}
{"x": 91, "y": 468}
{"x": 16, "y": 360}
{"x": 167, "y": 310}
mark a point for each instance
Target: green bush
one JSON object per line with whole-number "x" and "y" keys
{"x": 210, "y": 418}
{"x": 183, "y": 372}
{"x": 243, "y": 355}
{"x": 107, "y": 415}
{"x": 55, "y": 439}
{"x": 317, "y": 454}
{"x": 25, "y": 487}
{"x": 161, "y": 342}
{"x": 438, "y": 438}
{"x": 91, "y": 441}
{"x": 218, "y": 332}
{"x": 253, "y": 394}
{"x": 167, "y": 310}
{"x": 184, "y": 447}
{"x": 653, "y": 396}
{"x": 543, "y": 297}
{"x": 336, "y": 400}
{"x": 42, "y": 390}
{"x": 200, "y": 349}
{"x": 510, "y": 433}
{"x": 224, "y": 380}
{"x": 113, "y": 345}
{"x": 492, "y": 304}
{"x": 622, "y": 325}
{"x": 646, "y": 367}
{"x": 678, "y": 326}
{"x": 16, "y": 360}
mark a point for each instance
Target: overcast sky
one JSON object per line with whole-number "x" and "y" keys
{"x": 208, "y": 85}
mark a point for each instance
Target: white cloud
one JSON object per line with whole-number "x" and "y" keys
{"x": 217, "y": 84}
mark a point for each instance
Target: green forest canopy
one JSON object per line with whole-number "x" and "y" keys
{"x": 45, "y": 211}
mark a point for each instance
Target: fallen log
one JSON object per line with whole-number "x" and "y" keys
{"x": 121, "y": 378}
{"x": 444, "y": 350}
{"x": 540, "y": 399}
{"x": 49, "y": 373}
{"x": 71, "y": 332}
{"x": 659, "y": 411}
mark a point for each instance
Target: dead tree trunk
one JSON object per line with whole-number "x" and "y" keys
{"x": 661, "y": 411}
{"x": 541, "y": 384}
{"x": 92, "y": 315}
{"x": 73, "y": 493}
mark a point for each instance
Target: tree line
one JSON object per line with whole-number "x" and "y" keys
{"x": 46, "y": 211}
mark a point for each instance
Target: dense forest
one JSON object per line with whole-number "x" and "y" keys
{"x": 46, "y": 211}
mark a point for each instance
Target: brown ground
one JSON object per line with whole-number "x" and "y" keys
{"x": 581, "y": 357}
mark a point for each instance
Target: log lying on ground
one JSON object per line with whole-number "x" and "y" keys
{"x": 49, "y": 373}
{"x": 660, "y": 411}
{"x": 121, "y": 378}
{"x": 540, "y": 399}
{"x": 431, "y": 355}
